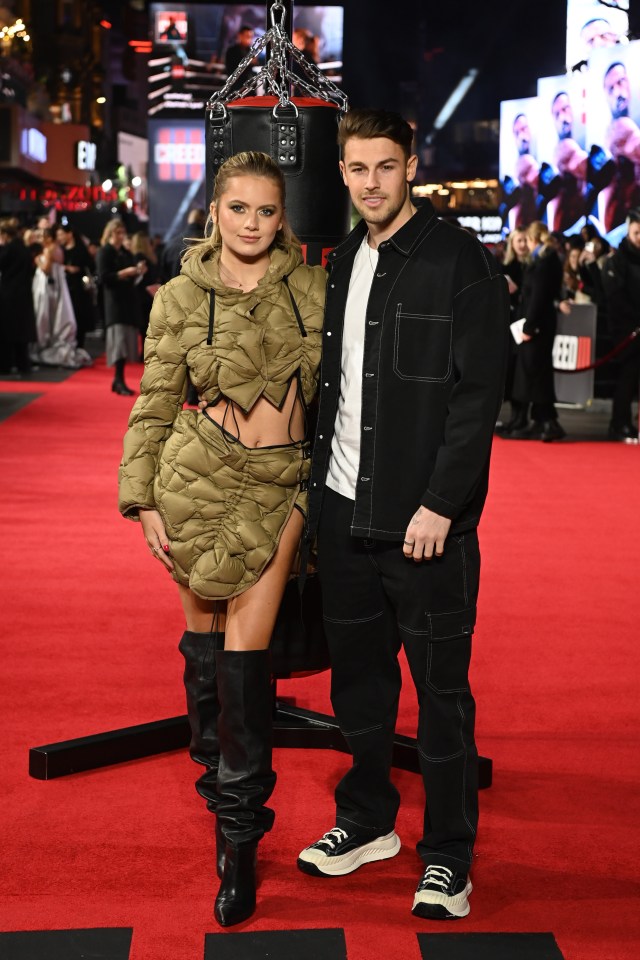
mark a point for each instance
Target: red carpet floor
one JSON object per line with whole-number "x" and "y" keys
{"x": 89, "y": 632}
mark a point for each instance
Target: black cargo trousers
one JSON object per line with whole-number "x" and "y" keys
{"x": 374, "y": 601}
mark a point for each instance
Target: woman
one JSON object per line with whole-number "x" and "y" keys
{"x": 142, "y": 249}
{"x": 515, "y": 261}
{"x": 533, "y": 379}
{"x": 118, "y": 274}
{"x": 55, "y": 319}
{"x": 221, "y": 493}
{"x": 79, "y": 269}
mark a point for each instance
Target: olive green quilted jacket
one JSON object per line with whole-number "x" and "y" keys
{"x": 257, "y": 347}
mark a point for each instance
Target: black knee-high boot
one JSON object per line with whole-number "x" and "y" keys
{"x": 245, "y": 776}
{"x": 203, "y": 707}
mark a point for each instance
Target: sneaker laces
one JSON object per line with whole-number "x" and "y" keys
{"x": 438, "y": 876}
{"x": 332, "y": 838}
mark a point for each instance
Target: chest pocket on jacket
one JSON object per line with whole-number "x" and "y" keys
{"x": 422, "y": 346}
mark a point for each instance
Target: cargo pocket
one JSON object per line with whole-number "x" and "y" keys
{"x": 440, "y": 595}
{"x": 422, "y": 346}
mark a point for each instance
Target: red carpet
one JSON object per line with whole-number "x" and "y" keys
{"x": 90, "y": 626}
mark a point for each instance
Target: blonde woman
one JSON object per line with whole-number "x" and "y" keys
{"x": 119, "y": 274}
{"x": 513, "y": 267}
{"x": 221, "y": 494}
{"x": 533, "y": 386}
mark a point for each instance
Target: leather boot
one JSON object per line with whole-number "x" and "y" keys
{"x": 245, "y": 777}
{"x": 201, "y": 688}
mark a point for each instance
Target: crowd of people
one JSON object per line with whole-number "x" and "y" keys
{"x": 547, "y": 272}
{"x": 57, "y": 286}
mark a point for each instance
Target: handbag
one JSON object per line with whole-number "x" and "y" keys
{"x": 298, "y": 643}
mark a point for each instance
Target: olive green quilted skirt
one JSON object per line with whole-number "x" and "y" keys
{"x": 225, "y": 505}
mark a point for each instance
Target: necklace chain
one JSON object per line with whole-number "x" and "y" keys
{"x": 371, "y": 263}
{"x": 229, "y": 275}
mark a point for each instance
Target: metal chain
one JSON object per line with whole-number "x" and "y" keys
{"x": 276, "y": 76}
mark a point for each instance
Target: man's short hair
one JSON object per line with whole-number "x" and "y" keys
{"x": 245, "y": 28}
{"x": 369, "y": 124}
{"x": 633, "y": 216}
{"x": 612, "y": 66}
{"x": 562, "y": 93}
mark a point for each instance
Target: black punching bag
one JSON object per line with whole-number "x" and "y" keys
{"x": 301, "y": 138}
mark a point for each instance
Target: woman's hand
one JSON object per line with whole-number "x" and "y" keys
{"x": 127, "y": 272}
{"x": 565, "y": 306}
{"x": 155, "y": 535}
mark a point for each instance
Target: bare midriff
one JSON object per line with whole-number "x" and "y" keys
{"x": 265, "y": 425}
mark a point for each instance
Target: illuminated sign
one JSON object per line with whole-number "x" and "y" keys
{"x": 571, "y": 352}
{"x": 33, "y": 145}
{"x": 86, "y": 154}
{"x": 489, "y": 229}
{"x": 179, "y": 153}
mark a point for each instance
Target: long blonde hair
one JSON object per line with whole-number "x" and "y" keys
{"x": 109, "y": 229}
{"x": 250, "y": 163}
{"x": 538, "y": 231}
{"x": 510, "y": 254}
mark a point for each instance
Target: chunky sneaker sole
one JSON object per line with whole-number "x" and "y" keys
{"x": 318, "y": 863}
{"x": 434, "y": 905}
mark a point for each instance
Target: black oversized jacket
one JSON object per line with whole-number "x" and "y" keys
{"x": 621, "y": 277}
{"x": 434, "y": 359}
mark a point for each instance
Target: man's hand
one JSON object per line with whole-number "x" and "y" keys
{"x": 426, "y": 534}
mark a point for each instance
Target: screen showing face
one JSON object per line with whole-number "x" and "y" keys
{"x": 562, "y": 149}
{"x": 613, "y": 129}
{"x": 592, "y": 24}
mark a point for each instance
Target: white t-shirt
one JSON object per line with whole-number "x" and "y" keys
{"x": 345, "y": 446}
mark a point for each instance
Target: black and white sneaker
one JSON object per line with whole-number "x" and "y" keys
{"x": 339, "y": 852}
{"x": 442, "y": 894}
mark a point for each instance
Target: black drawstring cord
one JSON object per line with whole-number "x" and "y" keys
{"x": 295, "y": 308}
{"x": 212, "y": 310}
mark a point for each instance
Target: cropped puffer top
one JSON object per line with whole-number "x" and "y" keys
{"x": 258, "y": 345}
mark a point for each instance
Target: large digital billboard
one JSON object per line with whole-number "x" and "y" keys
{"x": 197, "y": 46}
{"x": 573, "y": 152}
{"x": 562, "y": 149}
{"x": 176, "y": 173}
{"x": 519, "y": 165}
{"x": 613, "y": 123}
{"x": 592, "y": 24}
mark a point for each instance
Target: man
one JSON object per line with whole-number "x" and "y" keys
{"x": 621, "y": 277}
{"x": 412, "y": 379}
{"x": 571, "y": 161}
{"x": 623, "y": 141}
{"x": 598, "y": 32}
{"x": 238, "y": 50}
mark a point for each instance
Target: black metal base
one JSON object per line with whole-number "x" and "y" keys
{"x": 293, "y": 727}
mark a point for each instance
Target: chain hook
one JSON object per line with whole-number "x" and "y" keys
{"x": 279, "y": 8}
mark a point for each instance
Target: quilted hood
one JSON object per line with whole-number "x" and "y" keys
{"x": 205, "y": 273}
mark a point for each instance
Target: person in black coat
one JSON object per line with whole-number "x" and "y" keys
{"x": 513, "y": 267}
{"x": 621, "y": 278}
{"x": 533, "y": 386}
{"x": 118, "y": 274}
{"x": 78, "y": 264}
{"x": 17, "y": 318}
